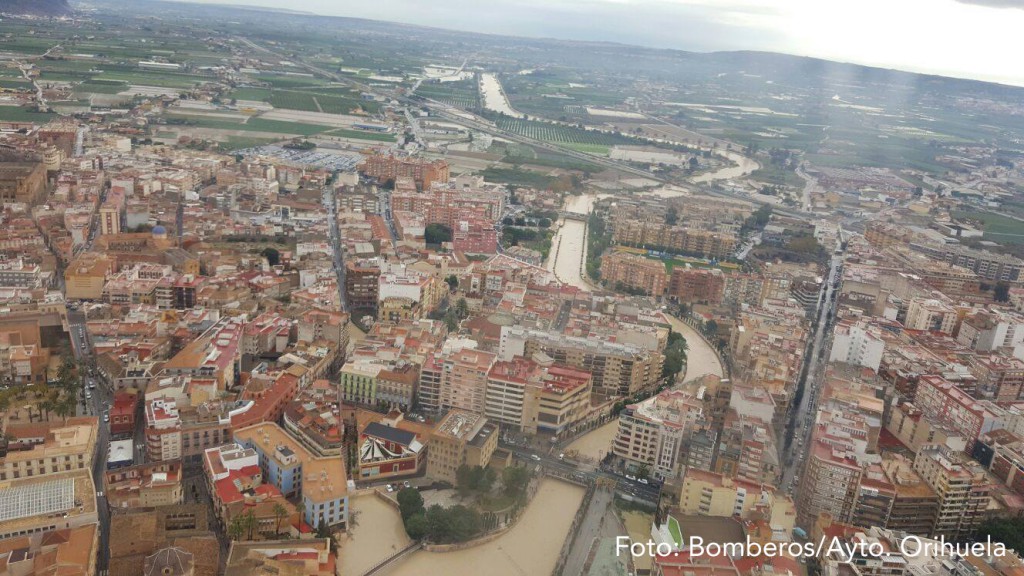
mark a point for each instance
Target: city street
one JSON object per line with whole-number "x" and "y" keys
{"x": 801, "y": 418}
{"x": 98, "y": 401}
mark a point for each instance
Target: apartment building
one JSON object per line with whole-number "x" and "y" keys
{"x": 314, "y": 418}
{"x": 295, "y": 471}
{"x": 464, "y": 378}
{"x": 830, "y": 481}
{"x": 943, "y": 403}
{"x": 535, "y": 395}
{"x": 618, "y": 369}
{"x": 387, "y": 168}
{"x": 962, "y": 489}
{"x": 144, "y": 485}
{"x": 857, "y": 342}
{"x": 623, "y": 270}
{"x": 362, "y": 282}
{"x": 185, "y": 433}
{"x": 214, "y": 354}
{"x": 930, "y": 315}
{"x": 697, "y": 286}
{"x": 359, "y": 382}
{"x": 706, "y": 493}
{"x": 651, "y": 433}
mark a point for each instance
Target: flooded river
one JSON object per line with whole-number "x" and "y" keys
{"x": 529, "y": 548}
{"x": 743, "y": 167}
{"x": 377, "y": 533}
{"x": 494, "y": 97}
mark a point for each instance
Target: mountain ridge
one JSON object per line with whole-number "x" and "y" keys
{"x": 35, "y": 7}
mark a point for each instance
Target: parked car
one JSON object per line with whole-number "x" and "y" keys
{"x": 390, "y": 488}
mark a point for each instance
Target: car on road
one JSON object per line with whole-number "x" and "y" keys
{"x": 106, "y": 417}
{"x": 535, "y": 457}
{"x": 390, "y": 488}
{"x": 561, "y": 456}
{"x": 630, "y": 477}
{"x": 642, "y": 480}
{"x": 407, "y": 484}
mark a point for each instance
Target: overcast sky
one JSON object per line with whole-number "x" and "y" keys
{"x": 982, "y": 39}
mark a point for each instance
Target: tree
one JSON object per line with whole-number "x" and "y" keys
{"x": 453, "y": 282}
{"x": 322, "y": 530}
{"x": 249, "y": 521}
{"x": 438, "y": 524}
{"x": 437, "y": 233}
{"x": 280, "y": 513}
{"x": 461, "y": 308}
{"x": 514, "y": 480}
{"x": 644, "y": 471}
{"x": 1001, "y": 292}
{"x": 236, "y": 529}
{"x": 416, "y": 526}
{"x": 410, "y": 503}
{"x": 464, "y": 523}
{"x": 672, "y": 216}
{"x": 450, "y": 321}
{"x": 272, "y": 255}
{"x": 544, "y": 223}
{"x": 675, "y": 355}
{"x": 465, "y": 479}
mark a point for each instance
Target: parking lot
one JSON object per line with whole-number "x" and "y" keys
{"x": 334, "y": 161}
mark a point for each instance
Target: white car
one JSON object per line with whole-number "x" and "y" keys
{"x": 642, "y": 481}
{"x": 391, "y": 488}
{"x": 535, "y": 457}
{"x": 407, "y": 484}
{"x": 630, "y": 477}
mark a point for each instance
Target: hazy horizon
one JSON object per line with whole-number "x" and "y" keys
{"x": 974, "y": 39}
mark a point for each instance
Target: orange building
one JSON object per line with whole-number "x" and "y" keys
{"x": 386, "y": 168}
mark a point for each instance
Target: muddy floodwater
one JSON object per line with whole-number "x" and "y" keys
{"x": 530, "y": 548}
{"x": 377, "y": 533}
{"x": 568, "y": 247}
{"x": 701, "y": 359}
{"x": 494, "y": 96}
{"x": 596, "y": 443}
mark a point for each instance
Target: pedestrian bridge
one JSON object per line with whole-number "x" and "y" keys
{"x": 573, "y": 216}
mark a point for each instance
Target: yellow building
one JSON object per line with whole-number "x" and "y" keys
{"x": 86, "y": 275}
{"x": 461, "y": 438}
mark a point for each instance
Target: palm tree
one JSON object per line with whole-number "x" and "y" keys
{"x": 250, "y": 523}
{"x": 301, "y": 508}
{"x": 280, "y": 512}
{"x": 235, "y": 529}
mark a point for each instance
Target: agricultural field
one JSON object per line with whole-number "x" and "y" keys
{"x": 461, "y": 94}
{"x": 997, "y": 227}
{"x": 561, "y": 134}
{"x": 328, "y": 100}
{"x": 19, "y": 114}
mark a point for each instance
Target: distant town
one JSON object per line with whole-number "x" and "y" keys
{"x": 288, "y": 294}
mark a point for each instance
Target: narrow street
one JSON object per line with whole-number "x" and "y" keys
{"x": 339, "y": 261}
{"x": 801, "y": 417}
